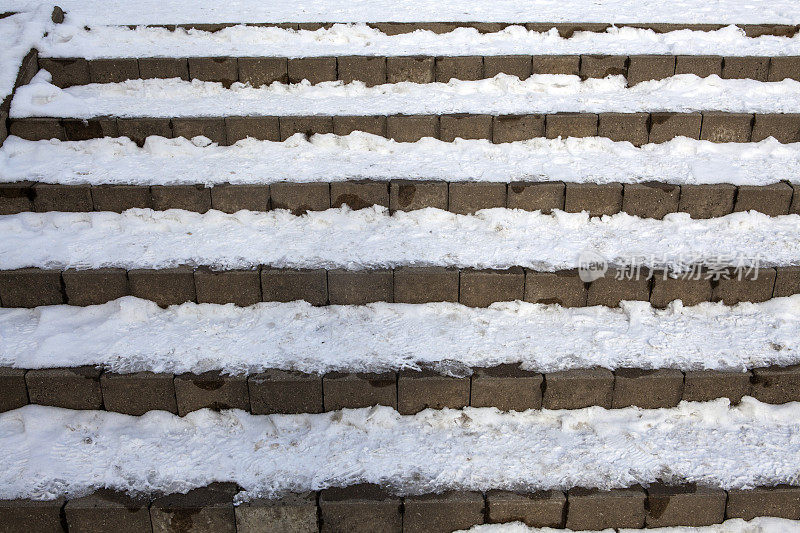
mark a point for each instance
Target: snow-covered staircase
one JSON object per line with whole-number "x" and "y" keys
{"x": 316, "y": 276}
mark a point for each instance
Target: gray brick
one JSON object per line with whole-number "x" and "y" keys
{"x": 578, "y": 388}
{"x": 469, "y": 197}
{"x": 688, "y": 289}
{"x": 776, "y": 384}
{"x": 31, "y": 516}
{"x": 538, "y": 509}
{"x": 685, "y": 505}
{"x": 211, "y": 390}
{"x": 65, "y": 198}
{"x": 595, "y": 509}
{"x": 721, "y": 127}
{"x": 567, "y": 125}
{"x": 354, "y": 391}
{"x": 564, "y": 288}
{"x": 300, "y": 198}
{"x": 754, "y": 68}
{"x": 288, "y": 285}
{"x": 416, "y": 285}
{"x": 481, "y": 288}
{"x": 442, "y": 513}
{"x": 96, "y": 286}
{"x": 189, "y": 128}
{"x": 465, "y": 126}
{"x": 782, "y": 501}
{"x": 411, "y": 128}
{"x": 113, "y": 70}
{"x": 597, "y": 199}
{"x": 220, "y": 69}
{"x": 314, "y": 69}
{"x": 13, "y": 391}
{"x": 362, "y": 508}
{"x": 545, "y": 196}
{"x": 292, "y": 513}
{"x": 205, "y": 510}
{"x": 232, "y": 198}
{"x": 414, "y": 69}
{"x": 459, "y": 67}
{"x": 787, "y": 281}
{"x": 650, "y": 67}
{"x": 601, "y": 66}
{"x": 119, "y": 198}
{"x": 18, "y": 197}
{"x": 409, "y": 195}
{"x": 261, "y": 128}
{"x": 513, "y": 65}
{"x": 137, "y": 393}
{"x": 37, "y": 128}
{"x": 631, "y": 127}
{"x": 707, "y": 385}
{"x": 650, "y": 199}
{"x": 783, "y": 67}
{"x": 240, "y": 287}
{"x": 772, "y": 200}
{"x": 506, "y": 387}
{"x": 747, "y": 288}
{"x": 510, "y": 128}
{"x": 139, "y": 129}
{"x": 666, "y": 126}
{"x": 702, "y": 66}
{"x": 30, "y": 287}
{"x": 783, "y": 127}
{"x": 258, "y": 71}
{"x": 359, "y": 287}
{"x": 554, "y": 64}
{"x": 648, "y": 389}
{"x": 280, "y": 391}
{"x": 163, "y": 68}
{"x": 359, "y": 194}
{"x": 376, "y": 125}
{"x": 417, "y": 391}
{"x": 66, "y": 72}
{"x": 308, "y": 126}
{"x": 70, "y": 388}
{"x": 171, "y": 286}
{"x": 367, "y": 69}
{"x": 707, "y": 201}
{"x": 195, "y": 198}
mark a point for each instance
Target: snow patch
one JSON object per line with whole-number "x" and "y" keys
{"x": 737, "y": 525}
{"x": 19, "y": 33}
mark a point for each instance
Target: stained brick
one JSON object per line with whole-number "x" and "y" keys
{"x": 195, "y": 198}
{"x": 417, "y": 391}
{"x": 787, "y": 281}
{"x": 459, "y": 67}
{"x": 597, "y": 199}
{"x": 538, "y": 509}
{"x": 261, "y": 128}
{"x": 359, "y": 287}
{"x": 106, "y": 510}
{"x": 409, "y": 195}
{"x": 285, "y": 392}
{"x": 353, "y": 391}
{"x": 468, "y": 197}
{"x": 707, "y": 201}
{"x": 442, "y": 513}
{"x": 31, "y": 516}
{"x": 169, "y": 286}
{"x": 360, "y": 509}
{"x": 578, "y": 388}
{"x": 544, "y": 196}
{"x": 506, "y": 387}
{"x": 96, "y": 286}
{"x": 411, "y": 128}
{"x": 119, "y": 198}
{"x": 18, "y": 197}
{"x": 139, "y": 129}
{"x": 516, "y": 65}
{"x": 66, "y": 72}
{"x": 163, "y": 68}
{"x": 783, "y": 127}
{"x": 204, "y": 510}
{"x": 666, "y": 126}
{"x": 754, "y": 68}
{"x": 416, "y": 285}
{"x": 702, "y": 66}
{"x": 783, "y": 67}
{"x": 113, "y": 70}
{"x": 481, "y": 288}
{"x": 595, "y": 509}
{"x": 414, "y": 69}
{"x": 300, "y": 197}
{"x": 707, "y": 385}
{"x": 465, "y": 126}
{"x": 566, "y": 125}
{"x": 189, "y": 128}
{"x": 359, "y": 194}
{"x": 308, "y": 126}
{"x": 232, "y": 198}
{"x": 648, "y": 389}
{"x": 67, "y": 198}
{"x": 30, "y": 287}
{"x": 721, "y": 127}
{"x": 137, "y": 393}
{"x": 376, "y": 125}
{"x": 240, "y": 287}
{"x": 287, "y": 285}
{"x": 13, "y": 391}
{"x": 691, "y": 290}
{"x": 759, "y": 30}
{"x": 510, "y": 128}
{"x": 554, "y": 64}
{"x": 258, "y": 71}
{"x": 95, "y": 128}
{"x": 220, "y": 69}
{"x": 293, "y": 513}
{"x": 70, "y": 388}
{"x": 37, "y": 128}
{"x": 650, "y": 67}
{"x": 776, "y": 384}
{"x": 563, "y": 287}
{"x": 752, "y": 287}
{"x": 601, "y": 66}
{"x": 650, "y": 199}
{"x": 210, "y": 390}
{"x": 631, "y": 127}
{"x": 773, "y": 199}
{"x": 782, "y": 501}
{"x": 684, "y": 505}
{"x": 367, "y": 69}
{"x": 314, "y": 69}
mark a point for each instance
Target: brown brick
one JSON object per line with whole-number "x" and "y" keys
{"x": 359, "y": 287}
{"x": 367, "y": 69}
{"x": 240, "y": 287}
{"x": 417, "y": 391}
{"x": 171, "y": 286}
{"x": 795, "y": 207}
{"x": 30, "y": 287}
{"x": 564, "y": 288}
{"x": 578, "y": 388}
{"x": 537, "y": 509}
{"x": 759, "y": 30}
{"x": 666, "y": 126}
{"x": 66, "y": 72}
{"x": 258, "y": 71}
{"x": 57, "y": 197}
{"x": 293, "y": 513}
{"x": 96, "y": 286}
{"x": 70, "y": 388}
{"x": 163, "y": 68}
{"x": 37, "y": 128}
{"x": 750, "y": 288}
{"x": 206, "y": 509}
{"x": 631, "y": 127}
{"x": 517, "y": 65}
{"x": 415, "y": 285}
{"x": 754, "y": 68}
{"x": 314, "y": 69}
{"x": 650, "y": 199}
{"x": 610, "y": 291}
{"x": 566, "y": 125}
{"x": 31, "y": 516}
{"x": 721, "y": 127}
{"x": 648, "y": 389}
{"x": 3, "y": 128}
{"x": 601, "y": 66}
{"x": 411, "y": 128}
{"x": 691, "y": 290}
{"x": 481, "y": 288}
{"x": 300, "y": 197}
{"x": 782, "y": 501}
{"x": 285, "y": 392}
{"x": 783, "y": 67}
{"x": 119, "y": 198}
{"x": 359, "y": 194}
{"x": 359, "y": 509}
{"x": 787, "y": 281}
{"x": 459, "y": 67}
{"x": 707, "y": 201}
{"x": 783, "y": 127}
{"x": 650, "y": 67}
{"x": 13, "y": 391}
{"x": 139, "y": 129}
{"x": 547, "y": 64}
{"x": 469, "y": 197}
{"x": 596, "y": 509}
{"x": 702, "y": 66}
{"x": 261, "y": 128}
{"x": 544, "y": 196}
{"x": 211, "y": 390}
{"x": 354, "y": 391}
{"x": 776, "y": 384}
{"x": 506, "y": 387}
{"x": 189, "y": 128}
{"x": 220, "y": 69}
{"x": 18, "y": 197}
{"x": 376, "y": 125}
{"x": 28, "y": 68}
{"x": 707, "y": 385}
{"x": 568, "y": 29}
{"x": 195, "y": 198}
{"x": 414, "y": 69}
{"x": 684, "y": 505}
{"x": 113, "y": 70}
{"x": 232, "y": 198}
{"x": 137, "y": 393}
{"x": 597, "y": 199}
{"x": 465, "y": 126}
{"x": 409, "y": 195}
{"x": 94, "y": 128}
{"x": 308, "y": 126}
{"x": 106, "y": 510}
{"x": 287, "y": 285}
{"x": 442, "y": 513}
{"x": 510, "y": 128}
{"x": 772, "y": 200}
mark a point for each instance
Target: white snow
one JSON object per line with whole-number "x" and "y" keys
{"x": 132, "y": 335}
{"x": 371, "y": 238}
{"x": 363, "y": 156}
{"x": 78, "y": 40}
{"x": 197, "y": 11}
{"x": 503, "y": 94}
{"x": 49, "y": 451}
{"x": 18, "y": 33}
{"x": 737, "y": 525}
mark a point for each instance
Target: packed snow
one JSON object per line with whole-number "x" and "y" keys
{"x": 19, "y": 33}
{"x": 78, "y": 40}
{"x": 133, "y": 335}
{"x": 503, "y": 94}
{"x": 737, "y": 525}
{"x": 48, "y": 451}
{"x": 371, "y": 238}
{"x": 363, "y": 156}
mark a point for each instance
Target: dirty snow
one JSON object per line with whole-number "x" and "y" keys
{"x": 737, "y": 525}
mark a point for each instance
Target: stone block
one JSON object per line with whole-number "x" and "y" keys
{"x": 70, "y": 388}
{"x": 37, "y": 129}
{"x": 787, "y": 282}
{"x": 417, "y": 391}
{"x": 631, "y": 127}
{"x": 783, "y": 67}
{"x": 163, "y": 68}
{"x": 564, "y": 288}
{"x": 292, "y": 513}
{"x": 781, "y": 501}
{"x": 211, "y": 390}
{"x": 783, "y": 127}
{"x": 601, "y": 66}
{"x": 666, "y": 126}
{"x": 361, "y": 508}
{"x": 707, "y": 201}
{"x": 308, "y": 126}
{"x": 359, "y": 287}
{"x": 578, "y": 388}
{"x": 410, "y": 195}
{"x": 119, "y": 198}
{"x": 195, "y": 198}
{"x": 300, "y": 198}
{"x": 354, "y": 391}
{"x": 596, "y": 199}
{"x": 258, "y": 71}
{"x": 13, "y": 391}
{"x": 751, "y": 67}
{"x": 506, "y": 387}
{"x": 416, "y": 285}
{"x": 776, "y": 384}
{"x": 411, "y": 128}
{"x": 137, "y": 393}
{"x": 106, "y": 510}
{"x": 465, "y": 126}
{"x": 596, "y": 509}
{"x": 261, "y": 128}
{"x": 94, "y": 128}
{"x": 510, "y": 128}
{"x": 615, "y": 287}
{"x": 684, "y": 505}
{"x": 707, "y": 385}
{"x": 544, "y": 196}
{"x": 31, "y": 516}
{"x": 701, "y": 66}
{"x": 442, "y": 513}
{"x": 568, "y": 29}
{"x": 359, "y": 194}
{"x": 773, "y": 200}
{"x": 648, "y": 389}
{"x": 96, "y": 286}
{"x": 565, "y": 125}
{"x": 376, "y": 125}
{"x": 414, "y": 69}
{"x": 289, "y": 285}
{"x": 205, "y": 510}
{"x": 113, "y": 70}
{"x": 749, "y": 287}
{"x": 722, "y": 127}
{"x": 66, "y": 72}
{"x": 650, "y": 199}
{"x": 314, "y": 69}
{"x": 18, "y": 197}
{"x": 778, "y": 30}
{"x": 240, "y": 287}
{"x": 795, "y": 207}
{"x": 211, "y": 128}
{"x": 232, "y": 198}
{"x": 512, "y": 65}
{"x": 219, "y": 69}
{"x": 285, "y": 392}
{"x": 139, "y": 129}
{"x": 459, "y": 67}
{"x": 469, "y": 197}
{"x": 30, "y": 287}
{"x": 555, "y": 64}
{"x": 481, "y": 288}
{"x": 65, "y": 198}
{"x": 537, "y": 509}
{"x": 371, "y": 70}
{"x": 650, "y": 67}
{"x": 691, "y": 290}
{"x": 170, "y": 286}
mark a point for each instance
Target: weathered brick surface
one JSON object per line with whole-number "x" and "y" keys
{"x": 611, "y": 291}
{"x": 465, "y": 126}
{"x": 359, "y": 287}
{"x": 30, "y": 287}
{"x": 795, "y": 207}
{"x": 564, "y": 288}
{"x": 292, "y": 513}
{"x": 781, "y": 501}
{"x": 776, "y": 384}
{"x": 195, "y": 198}
{"x": 262, "y": 128}
{"x": 165, "y": 287}
{"x": 367, "y": 69}
{"x": 468, "y": 197}
{"x": 210, "y": 390}
{"x": 688, "y": 290}
{"x": 597, "y": 199}
{"x": 113, "y": 70}
{"x": 538, "y": 509}
{"x": 289, "y": 285}
{"x": 579, "y": 388}
{"x": 408, "y": 195}
{"x": 411, "y": 128}
{"x": 221, "y": 69}
{"x": 773, "y": 199}
{"x": 306, "y": 125}
{"x": 481, "y": 288}
{"x": 707, "y": 385}
{"x": 300, "y": 197}
{"x": 70, "y": 388}
{"x": 601, "y": 66}
{"x": 189, "y": 128}
{"x": 510, "y": 128}
{"x": 241, "y": 287}
{"x": 753, "y": 68}
{"x": 442, "y": 513}
{"x": 783, "y": 127}
{"x": 56, "y": 197}
{"x": 138, "y": 393}
{"x": 666, "y": 126}
{"x": 554, "y": 64}
{"x": 707, "y": 201}
{"x": 206, "y": 510}
{"x": 314, "y": 69}
{"x": 631, "y": 127}
{"x": 566, "y": 125}
{"x": 375, "y": 125}
{"x": 285, "y": 392}
{"x": 119, "y": 198}
{"x": 96, "y": 286}
{"x": 353, "y": 391}
{"x": 31, "y": 516}
{"x": 258, "y": 71}
{"x": 787, "y": 282}
{"x": 684, "y": 505}
{"x": 139, "y": 129}
{"x": 16, "y": 197}
{"x": 650, "y": 67}
{"x": 650, "y": 199}
{"x": 416, "y": 285}
{"x": 13, "y": 391}
{"x": 751, "y": 288}
{"x": 545, "y": 196}
{"x": 360, "y": 509}
{"x": 506, "y": 387}
{"x": 417, "y": 391}
{"x": 648, "y": 389}
{"x": 66, "y": 72}
{"x": 414, "y": 69}
{"x": 95, "y": 128}
{"x": 232, "y": 198}
{"x": 781, "y": 68}
{"x": 702, "y": 66}
{"x": 595, "y": 509}
{"x": 106, "y": 510}
{"x": 359, "y": 194}
{"x": 722, "y": 127}
{"x": 163, "y": 68}
{"x": 3, "y": 126}
{"x": 513, "y": 65}
{"x": 459, "y": 67}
